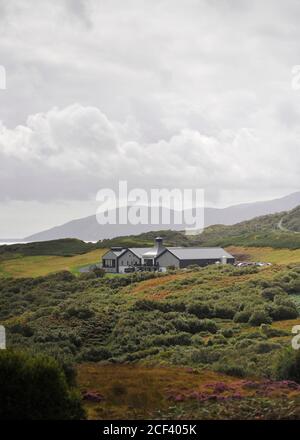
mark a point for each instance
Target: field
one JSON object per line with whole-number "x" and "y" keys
{"x": 199, "y": 343}
{"x": 143, "y": 392}
{"x": 266, "y": 254}
{"x": 39, "y": 265}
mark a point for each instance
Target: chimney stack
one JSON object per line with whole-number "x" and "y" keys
{"x": 159, "y": 243}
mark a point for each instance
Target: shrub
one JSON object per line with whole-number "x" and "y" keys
{"x": 218, "y": 340}
{"x": 205, "y": 355}
{"x": 280, "y": 313}
{"x": 265, "y": 347}
{"x": 99, "y": 272}
{"x": 259, "y": 317}
{"x": 224, "y": 312}
{"x": 35, "y": 388}
{"x": 227, "y": 332}
{"x": 288, "y": 365}
{"x": 208, "y": 325}
{"x": 22, "y": 329}
{"x": 233, "y": 370}
{"x": 270, "y": 332}
{"x": 271, "y": 292}
{"x": 242, "y": 316}
{"x": 244, "y": 343}
{"x": 197, "y": 340}
{"x": 79, "y": 312}
{"x": 201, "y": 310}
{"x": 95, "y": 354}
{"x": 168, "y": 340}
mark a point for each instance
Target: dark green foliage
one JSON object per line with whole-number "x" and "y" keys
{"x": 242, "y": 316}
{"x": 37, "y": 388}
{"x": 167, "y": 340}
{"x": 279, "y": 313}
{"x": 265, "y": 347}
{"x": 259, "y": 317}
{"x": 201, "y": 310}
{"x": 270, "y": 332}
{"x": 288, "y": 365}
{"x": 223, "y": 311}
{"x": 95, "y": 354}
{"x": 116, "y": 320}
{"x": 233, "y": 370}
{"x": 62, "y": 247}
{"x": 99, "y": 272}
{"x": 271, "y": 292}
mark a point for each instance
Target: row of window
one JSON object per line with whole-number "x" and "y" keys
{"x": 112, "y": 263}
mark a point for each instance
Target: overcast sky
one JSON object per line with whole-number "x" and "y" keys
{"x": 162, "y": 93}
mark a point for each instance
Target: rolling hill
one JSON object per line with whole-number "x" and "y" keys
{"x": 89, "y": 230}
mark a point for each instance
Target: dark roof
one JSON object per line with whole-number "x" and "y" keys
{"x": 199, "y": 253}
{"x": 182, "y": 253}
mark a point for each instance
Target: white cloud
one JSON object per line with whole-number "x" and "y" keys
{"x": 194, "y": 93}
{"x": 73, "y": 151}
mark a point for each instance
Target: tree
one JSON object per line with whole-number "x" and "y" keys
{"x": 36, "y": 387}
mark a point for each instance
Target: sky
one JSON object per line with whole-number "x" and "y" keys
{"x": 163, "y": 93}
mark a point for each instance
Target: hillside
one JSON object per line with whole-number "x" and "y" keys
{"x": 89, "y": 230}
{"x": 200, "y": 343}
{"x": 260, "y": 231}
{"x": 265, "y": 233}
{"x": 291, "y": 221}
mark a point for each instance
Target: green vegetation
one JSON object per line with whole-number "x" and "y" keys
{"x": 291, "y": 221}
{"x": 36, "y": 387}
{"x": 203, "y": 343}
{"x": 63, "y": 247}
{"x": 200, "y": 317}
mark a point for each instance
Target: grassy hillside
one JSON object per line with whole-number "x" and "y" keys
{"x": 63, "y": 247}
{"x": 34, "y": 266}
{"x": 41, "y": 258}
{"x": 291, "y": 221}
{"x": 259, "y": 232}
{"x": 165, "y": 342}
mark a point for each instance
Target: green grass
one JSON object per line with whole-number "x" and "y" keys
{"x": 266, "y": 254}
{"x": 21, "y": 266}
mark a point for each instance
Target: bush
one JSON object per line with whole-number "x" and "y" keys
{"x": 224, "y": 312}
{"x": 95, "y": 354}
{"x": 271, "y": 292}
{"x": 270, "y": 332}
{"x": 168, "y": 340}
{"x": 288, "y": 365}
{"x": 242, "y": 317}
{"x": 79, "y": 312}
{"x": 35, "y": 388}
{"x": 259, "y": 317}
{"x": 205, "y": 356}
{"x": 99, "y": 272}
{"x": 280, "y": 313}
{"x": 265, "y": 347}
{"x": 201, "y": 310}
{"x": 227, "y": 332}
{"x": 233, "y": 370}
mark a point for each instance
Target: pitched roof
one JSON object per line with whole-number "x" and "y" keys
{"x": 199, "y": 253}
{"x": 182, "y": 253}
{"x": 139, "y": 252}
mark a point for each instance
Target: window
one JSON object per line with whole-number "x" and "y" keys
{"x": 109, "y": 263}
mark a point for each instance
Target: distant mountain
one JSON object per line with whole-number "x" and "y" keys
{"x": 89, "y": 230}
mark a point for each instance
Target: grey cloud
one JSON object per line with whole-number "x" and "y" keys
{"x": 198, "y": 92}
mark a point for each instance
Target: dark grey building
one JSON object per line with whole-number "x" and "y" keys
{"x": 159, "y": 257}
